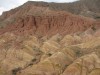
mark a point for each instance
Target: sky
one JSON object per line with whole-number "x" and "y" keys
{"x": 6, "y": 5}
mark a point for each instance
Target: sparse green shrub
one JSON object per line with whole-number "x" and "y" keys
{"x": 93, "y": 28}
{"x": 98, "y": 17}
{"x": 14, "y": 71}
{"x": 78, "y": 53}
{"x": 49, "y": 54}
{"x": 34, "y": 59}
{"x": 77, "y": 50}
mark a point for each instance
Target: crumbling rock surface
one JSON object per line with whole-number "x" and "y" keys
{"x": 36, "y": 39}
{"x": 38, "y": 18}
{"x": 62, "y": 23}
{"x": 29, "y": 55}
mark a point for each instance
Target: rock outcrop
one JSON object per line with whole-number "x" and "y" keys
{"x": 57, "y": 22}
{"x": 38, "y": 18}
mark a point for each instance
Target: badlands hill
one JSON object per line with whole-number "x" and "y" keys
{"x": 40, "y": 38}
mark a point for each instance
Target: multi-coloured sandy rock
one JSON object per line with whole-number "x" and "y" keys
{"x": 38, "y": 39}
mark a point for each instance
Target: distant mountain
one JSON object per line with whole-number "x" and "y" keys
{"x": 89, "y": 8}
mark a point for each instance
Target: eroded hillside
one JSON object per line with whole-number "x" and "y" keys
{"x": 74, "y": 54}
{"x": 40, "y": 38}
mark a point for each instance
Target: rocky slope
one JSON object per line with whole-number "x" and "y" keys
{"x": 77, "y": 54}
{"x": 38, "y": 19}
{"x": 39, "y": 38}
{"x": 57, "y": 22}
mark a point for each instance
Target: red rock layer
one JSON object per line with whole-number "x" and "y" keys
{"x": 62, "y": 23}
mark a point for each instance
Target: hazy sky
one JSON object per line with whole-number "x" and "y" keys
{"x": 9, "y": 4}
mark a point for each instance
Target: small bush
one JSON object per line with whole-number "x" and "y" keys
{"x": 93, "y": 28}
{"x": 78, "y": 53}
{"x": 14, "y": 71}
{"x": 33, "y": 60}
{"x": 98, "y": 17}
